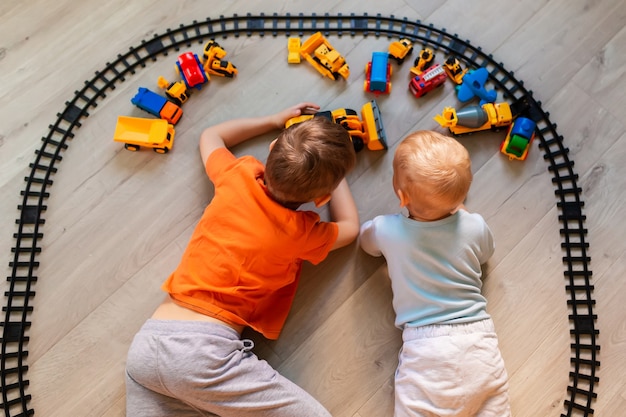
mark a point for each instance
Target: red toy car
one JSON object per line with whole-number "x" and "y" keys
{"x": 191, "y": 71}
{"x": 428, "y": 80}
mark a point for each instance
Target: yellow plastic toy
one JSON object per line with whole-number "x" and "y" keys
{"x": 366, "y": 131}
{"x": 213, "y": 62}
{"x": 293, "y": 50}
{"x": 400, "y": 49}
{"x": 324, "y": 58}
{"x": 135, "y": 132}
{"x": 489, "y": 116}
{"x": 176, "y": 91}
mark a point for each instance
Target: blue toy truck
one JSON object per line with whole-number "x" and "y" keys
{"x": 157, "y": 105}
{"x": 378, "y": 74}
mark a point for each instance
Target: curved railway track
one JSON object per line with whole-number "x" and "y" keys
{"x": 583, "y": 377}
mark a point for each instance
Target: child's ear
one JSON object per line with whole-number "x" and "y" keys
{"x": 320, "y": 201}
{"x": 273, "y": 143}
{"x": 404, "y": 199}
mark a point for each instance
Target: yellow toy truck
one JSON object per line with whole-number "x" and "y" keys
{"x": 293, "y": 50}
{"x": 135, "y": 132}
{"x": 400, "y": 49}
{"x": 176, "y": 91}
{"x": 324, "y": 58}
{"x": 213, "y": 63}
{"x": 366, "y": 131}
{"x": 489, "y": 116}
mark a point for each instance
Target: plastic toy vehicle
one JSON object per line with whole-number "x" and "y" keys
{"x": 221, "y": 68}
{"x": 427, "y": 81}
{"x": 191, "y": 71}
{"x": 212, "y": 50}
{"x": 293, "y": 50}
{"x": 213, "y": 63}
{"x": 136, "y": 132}
{"x": 475, "y": 118}
{"x": 453, "y": 68}
{"x": 378, "y": 74}
{"x": 519, "y": 138}
{"x": 473, "y": 85}
{"x": 324, "y": 58}
{"x": 423, "y": 61}
{"x": 157, "y": 105}
{"x": 368, "y": 130}
{"x": 400, "y": 49}
{"x": 176, "y": 91}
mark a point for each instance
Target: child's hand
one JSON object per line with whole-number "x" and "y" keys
{"x": 281, "y": 117}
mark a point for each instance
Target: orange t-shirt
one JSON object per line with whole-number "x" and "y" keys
{"x": 244, "y": 258}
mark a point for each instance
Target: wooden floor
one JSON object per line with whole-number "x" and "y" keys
{"x": 117, "y": 222}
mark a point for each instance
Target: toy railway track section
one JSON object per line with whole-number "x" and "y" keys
{"x": 584, "y": 347}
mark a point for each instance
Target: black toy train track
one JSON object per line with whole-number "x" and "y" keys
{"x": 584, "y": 347}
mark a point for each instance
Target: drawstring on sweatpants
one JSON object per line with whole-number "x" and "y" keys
{"x": 248, "y": 345}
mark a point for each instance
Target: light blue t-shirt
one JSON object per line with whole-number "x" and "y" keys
{"x": 435, "y": 267}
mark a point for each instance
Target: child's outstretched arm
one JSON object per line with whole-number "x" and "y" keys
{"x": 343, "y": 211}
{"x": 230, "y": 133}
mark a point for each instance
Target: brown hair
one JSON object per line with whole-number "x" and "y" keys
{"x": 428, "y": 160}
{"x": 308, "y": 161}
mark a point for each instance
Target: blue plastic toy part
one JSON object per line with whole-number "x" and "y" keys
{"x": 473, "y": 85}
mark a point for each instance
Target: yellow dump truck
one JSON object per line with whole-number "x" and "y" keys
{"x": 135, "y": 132}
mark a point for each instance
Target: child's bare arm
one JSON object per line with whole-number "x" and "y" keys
{"x": 343, "y": 211}
{"x": 232, "y": 132}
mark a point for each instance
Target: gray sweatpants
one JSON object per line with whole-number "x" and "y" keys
{"x": 189, "y": 368}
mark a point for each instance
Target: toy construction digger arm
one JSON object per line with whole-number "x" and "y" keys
{"x": 447, "y": 118}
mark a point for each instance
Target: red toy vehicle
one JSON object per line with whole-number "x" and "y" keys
{"x": 191, "y": 71}
{"x": 428, "y": 80}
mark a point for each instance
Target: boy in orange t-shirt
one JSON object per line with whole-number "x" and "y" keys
{"x": 240, "y": 269}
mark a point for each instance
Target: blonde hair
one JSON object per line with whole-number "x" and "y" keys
{"x": 308, "y": 161}
{"x": 429, "y": 161}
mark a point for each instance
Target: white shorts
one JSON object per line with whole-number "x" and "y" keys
{"x": 451, "y": 370}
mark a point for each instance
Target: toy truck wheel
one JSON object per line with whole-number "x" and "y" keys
{"x": 174, "y": 99}
{"x": 358, "y": 144}
{"x": 132, "y": 148}
{"x": 161, "y": 150}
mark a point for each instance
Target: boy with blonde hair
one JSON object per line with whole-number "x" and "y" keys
{"x": 450, "y": 363}
{"x": 241, "y": 269}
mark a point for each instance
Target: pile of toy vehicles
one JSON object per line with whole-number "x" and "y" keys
{"x": 158, "y": 134}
